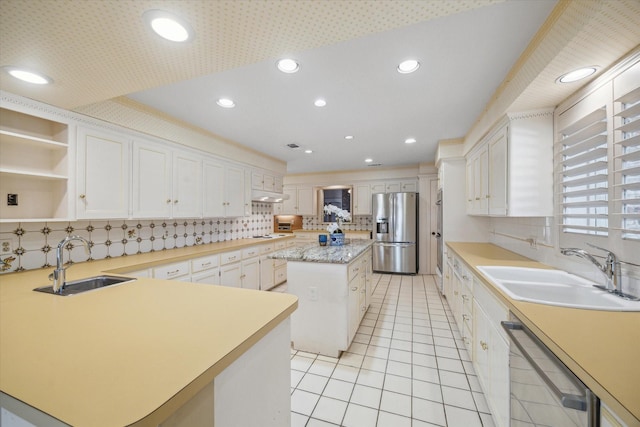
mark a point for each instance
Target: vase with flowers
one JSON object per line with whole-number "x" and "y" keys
{"x": 335, "y": 228}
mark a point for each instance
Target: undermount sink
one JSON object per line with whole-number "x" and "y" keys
{"x": 85, "y": 285}
{"x": 554, "y": 287}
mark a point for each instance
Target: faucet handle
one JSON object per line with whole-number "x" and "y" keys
{"x": 609, "y": 253}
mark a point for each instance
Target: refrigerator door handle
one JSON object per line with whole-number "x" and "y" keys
{"x": 395, "y": 245}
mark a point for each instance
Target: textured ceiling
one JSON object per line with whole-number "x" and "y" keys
{"x": 98, "y": 51}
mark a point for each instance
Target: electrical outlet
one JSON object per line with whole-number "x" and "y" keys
{"x": 313, "y": 293}
{"x": 533, "y": 242}
{"x": 5, "y": 247}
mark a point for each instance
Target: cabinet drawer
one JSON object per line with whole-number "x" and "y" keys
{"x": 278, "y": 262}
{"x": 495, "y": 310}
{"x": 281, "y": 245}
{"x": 229, "y": 257}
{"x": 354, "y": 270}
{"x": 250, "y": 252}
{"x": 265, "y": 249}
{"x": 204, "y": 263}
{"x": 171, "y": 271}
{"x": 280, "y": 274}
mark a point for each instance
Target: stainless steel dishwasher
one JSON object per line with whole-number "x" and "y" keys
{"x": 544, "y": 392}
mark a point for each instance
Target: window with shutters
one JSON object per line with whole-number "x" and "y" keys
{"x": 627, "y": 163}
{"x": 584, "y": 174}
{"x": 597, "y": 167}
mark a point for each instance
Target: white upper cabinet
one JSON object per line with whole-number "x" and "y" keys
{"x": 362, "y": 199}
{"x": 102, "y": 175}
{"x": 166, "y": 183}
{"x": 395, "y": 186}
{"x": 187, "y": 185}
{"x": 152, "y": 181}
{"x": 224, "y": 190}
{"x": 301, "y": 200}
{"x": 510, "y": 173}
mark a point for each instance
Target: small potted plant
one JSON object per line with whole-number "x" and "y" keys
{"x": 335, "y": 228}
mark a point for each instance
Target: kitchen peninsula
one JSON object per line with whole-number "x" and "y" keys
{"x": 144, "y": 353}
{"x": 333, "y": 286}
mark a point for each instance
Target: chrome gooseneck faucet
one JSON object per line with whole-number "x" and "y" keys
{"x": 611, "y": 267}
{"x": 59, "y": 274}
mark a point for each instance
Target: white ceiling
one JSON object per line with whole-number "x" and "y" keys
{"x": 99, "y": 51}
{"x": 464, "y": 57}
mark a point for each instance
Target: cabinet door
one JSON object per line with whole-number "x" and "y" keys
{"x": 152, "y": 192}
{"x": 257, "y": 181}
{"x": 277, "y": 184}
{"x": 250, "y": 278}
{"x": 187, "y": 186}
{"x": 267, "y": 270}
{"x": 290, "y": 206}
{"x": 269, "y": 182}
{"x": 230, "y": 275}
{"x": 393, "y": 187}
{"x": 353, "y": 313}
{"x": 305, "y": 201}
{"x": 498, "y": 173}
{"x": 409, "y": 186}
{"x": 470, "y": 175}
{"x": 209, "y": 277}
{"x": 247, "y": 202}
{"x": 362, "y": 204}
{"x": 234, "y": 191}
{"x": 103, "y": 175}
{"x": 499, "y": 394}
{"x": 213, "y": 199}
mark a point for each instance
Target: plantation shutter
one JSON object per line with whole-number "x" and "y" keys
{"x": 584, "y": 175}
{"x": 627, "y": 163}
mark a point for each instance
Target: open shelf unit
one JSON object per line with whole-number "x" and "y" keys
{"x": 34, "y": 165}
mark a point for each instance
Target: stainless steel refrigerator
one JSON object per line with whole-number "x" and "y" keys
{"x": 395, "y": 233}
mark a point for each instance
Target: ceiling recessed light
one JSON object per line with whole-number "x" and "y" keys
{"x": 320, "y": 102}
{"x": 288, "y": 65}
{"x": 27, "y": 75}
{"x": 408, "y": 66}
{"x": 348, "y": 137}
{"x": 575, "y": 75}
{"x": 226, "y": 103}
{"x": 368, "y": 160}
{"x": 409, "y": 140}
{"x": 308, "y": 151}
{"x": 168, "y": 25}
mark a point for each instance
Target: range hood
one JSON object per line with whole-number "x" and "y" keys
{"x": 268, "y": 196}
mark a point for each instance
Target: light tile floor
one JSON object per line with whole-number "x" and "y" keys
{"x": 407, "y": 366}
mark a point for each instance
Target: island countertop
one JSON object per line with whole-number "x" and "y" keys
{"x": 325, "y": 254}
{"x": 129, "y": 354}
{"x": 601, "y": 347}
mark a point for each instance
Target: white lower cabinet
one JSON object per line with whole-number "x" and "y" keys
{"x": 491, "y": 352}
{"x": 206, "y": 270}
{"x": 267, "y": 277}
{"x": 241, "y": 268}
{"x": 174, "y": 271}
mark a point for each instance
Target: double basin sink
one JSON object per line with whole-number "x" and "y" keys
{"x": 554, "y": 287}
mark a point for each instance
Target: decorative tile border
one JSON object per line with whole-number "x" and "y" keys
{"x": 34, "y": 244}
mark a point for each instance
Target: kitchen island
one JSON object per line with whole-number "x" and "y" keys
{"x": 333, "y": 286}
{"x": 144, "y": 353}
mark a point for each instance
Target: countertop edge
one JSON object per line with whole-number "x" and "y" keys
{"x": 604, "y": 395}
{"x": 194, "y": 387}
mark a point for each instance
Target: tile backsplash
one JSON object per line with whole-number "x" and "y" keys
{"x": 357, "y": 223}
{"x": 34, "y": 244}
